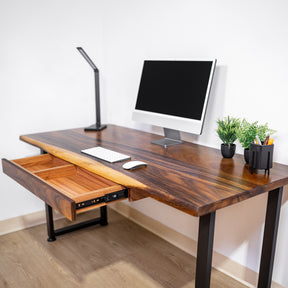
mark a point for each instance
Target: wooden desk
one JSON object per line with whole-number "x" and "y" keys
{"x": 192, "y": 178}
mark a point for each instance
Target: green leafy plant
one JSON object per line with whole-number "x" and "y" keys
{"x": 227, "y": 129}
{"x": 248, "y": 131}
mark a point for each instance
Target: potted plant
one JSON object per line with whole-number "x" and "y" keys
{"x": 227, "y": 132}
{"x": 247, "y": 133}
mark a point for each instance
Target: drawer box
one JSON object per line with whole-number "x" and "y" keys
{"x": 65, "y": 187}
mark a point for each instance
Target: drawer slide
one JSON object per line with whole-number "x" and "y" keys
{"x": 111, "y": 197}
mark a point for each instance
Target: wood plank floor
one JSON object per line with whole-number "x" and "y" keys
{"x": 121, "y": 254}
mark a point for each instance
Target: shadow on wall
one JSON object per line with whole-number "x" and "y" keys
{"x": 214, "y": 110}
{"x": 240, "y": 235}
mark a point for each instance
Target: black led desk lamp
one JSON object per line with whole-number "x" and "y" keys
{"x": 98, "y": 126}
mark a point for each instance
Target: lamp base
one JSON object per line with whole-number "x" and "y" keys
{"x": 95, "y": 127}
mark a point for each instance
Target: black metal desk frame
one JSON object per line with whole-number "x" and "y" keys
{"x": 206, "y": 235}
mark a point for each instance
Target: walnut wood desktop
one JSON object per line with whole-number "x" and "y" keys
{"x": 190, "y": 177}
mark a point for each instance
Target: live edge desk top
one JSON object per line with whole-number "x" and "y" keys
{"x": 190, "y": 177}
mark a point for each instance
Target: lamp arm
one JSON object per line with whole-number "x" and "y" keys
{"x": 97, "y": 98}
{"x": 97, "y": 126}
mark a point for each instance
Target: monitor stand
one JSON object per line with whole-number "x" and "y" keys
{"x": 171, "y": 137}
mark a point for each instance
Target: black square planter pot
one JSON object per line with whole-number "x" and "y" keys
{"x": 261, "y": 157}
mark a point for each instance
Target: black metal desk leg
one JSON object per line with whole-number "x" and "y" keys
{"x": 205, "y": 250}
{"x": 52, "y": 233}
{"x": 103, "y": 215}
{"x": 50, "y": 223}
{"x": 270, "y": 237}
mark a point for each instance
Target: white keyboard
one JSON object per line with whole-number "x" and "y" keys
{"x": 106, "y": 154}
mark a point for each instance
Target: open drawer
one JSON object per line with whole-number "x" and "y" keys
{"x": 65, "y": 187}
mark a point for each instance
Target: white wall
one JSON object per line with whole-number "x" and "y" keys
{"x": 248, "y": 39}
{"x": 46, "y": 85}
{"x": 45, "y": 82}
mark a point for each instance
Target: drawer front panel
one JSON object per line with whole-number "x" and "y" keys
{"x": 41, "y": 189}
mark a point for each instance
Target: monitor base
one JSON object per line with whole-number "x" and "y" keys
{"x": 171, "y": 137}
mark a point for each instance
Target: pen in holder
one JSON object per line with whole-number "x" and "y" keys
{"x": 261, "y": 157}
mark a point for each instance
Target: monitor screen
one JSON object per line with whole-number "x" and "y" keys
{"x": 174, "y": 94}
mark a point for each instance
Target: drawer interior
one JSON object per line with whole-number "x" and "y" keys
{"x": 76, "y": 183}
{"x": 41, "y": 162}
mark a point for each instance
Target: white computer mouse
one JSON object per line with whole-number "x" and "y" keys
{"x": 134, "y": 165}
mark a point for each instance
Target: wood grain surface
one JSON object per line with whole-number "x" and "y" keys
{"x": 50, "y": 195}
{"x": 190, "y": 177}
{"x": 60, "y": 184}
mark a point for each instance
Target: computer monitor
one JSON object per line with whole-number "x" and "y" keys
{"x": 174, "y": 95}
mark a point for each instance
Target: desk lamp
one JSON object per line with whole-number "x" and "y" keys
{"x": 98, "y": 126}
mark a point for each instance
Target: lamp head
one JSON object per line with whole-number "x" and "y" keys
{"x": 87, "y": 58}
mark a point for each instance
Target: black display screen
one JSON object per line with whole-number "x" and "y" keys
{"x": 176, "y": 88}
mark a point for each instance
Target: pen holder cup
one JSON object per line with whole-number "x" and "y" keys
{"x": 260, "y": 157}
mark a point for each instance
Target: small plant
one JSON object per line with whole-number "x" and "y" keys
{"x": 248, "y": 131}
{"x": 227, "y": 129}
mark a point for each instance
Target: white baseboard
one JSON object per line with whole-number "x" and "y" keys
{"x": 227, "y": 266}
{"x": 25, "y": 221}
